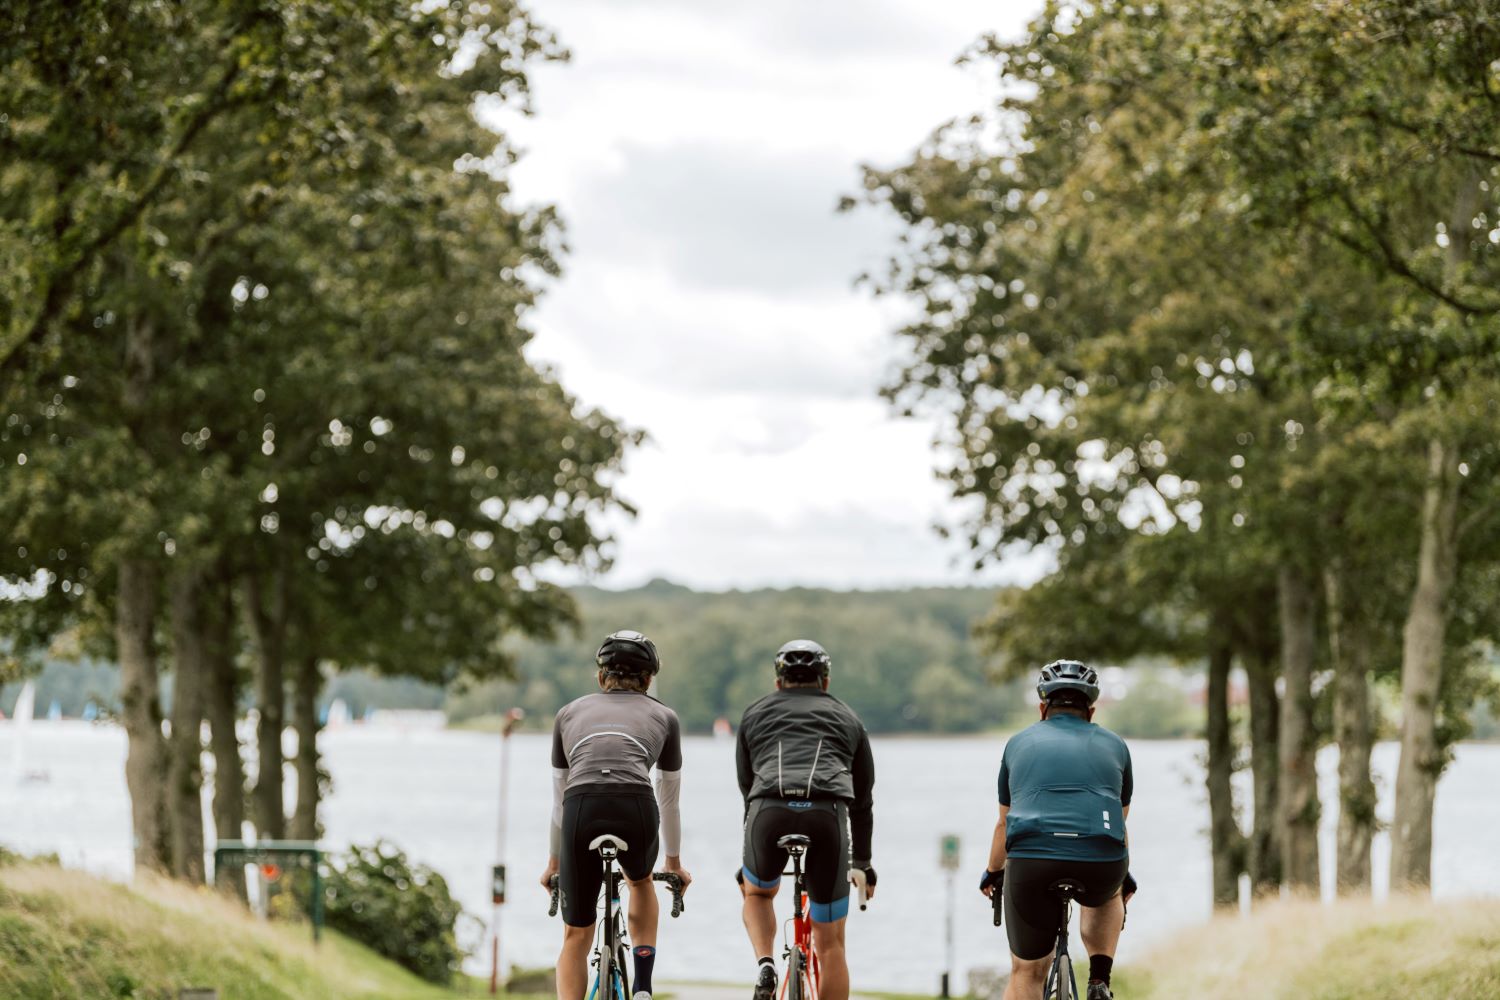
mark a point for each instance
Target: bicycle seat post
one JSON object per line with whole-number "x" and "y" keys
{"x": 796, "y": 846}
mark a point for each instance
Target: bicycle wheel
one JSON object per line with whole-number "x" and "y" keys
{"x": 795, "y": 976}
{"x": 1060, "y": 982}
{"x": 624, "y": 976}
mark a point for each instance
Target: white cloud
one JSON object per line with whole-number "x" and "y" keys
{"x": 697, "y": 151}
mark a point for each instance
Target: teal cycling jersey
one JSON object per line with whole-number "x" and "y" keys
{"x": 1067, "y": 783}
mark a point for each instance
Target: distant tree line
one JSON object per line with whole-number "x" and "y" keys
{"x": 265, "y": 409}
{"x": 1210, "y": 306}
{"x": 904, "y": 659}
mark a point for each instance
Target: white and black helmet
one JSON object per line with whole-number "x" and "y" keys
{"x": 802, "y": 658}
{"x": 1068, "y": 675}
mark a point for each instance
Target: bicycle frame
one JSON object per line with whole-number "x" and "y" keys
{"x": 799, "y": 940}
{"x": 1062, "y": 983}
{"x": 609, "y": 954}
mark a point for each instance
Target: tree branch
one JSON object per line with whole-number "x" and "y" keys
{"x": 61, "y": 281}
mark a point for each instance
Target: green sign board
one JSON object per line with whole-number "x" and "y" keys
{"x": 275, "y": 859}
{"x": 948, "y": 860}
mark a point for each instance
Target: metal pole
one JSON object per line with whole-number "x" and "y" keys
{"x": 948, "y": 964}
{"x": 511, "y": 719}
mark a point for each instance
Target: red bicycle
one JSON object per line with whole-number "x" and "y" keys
{"x": 801, "y": 980}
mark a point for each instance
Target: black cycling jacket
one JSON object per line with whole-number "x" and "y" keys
{"x": 803, "y": 743}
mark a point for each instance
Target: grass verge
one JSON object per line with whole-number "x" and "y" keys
{"x": 1402, "y": 949}
{"x": 65, "y": 935}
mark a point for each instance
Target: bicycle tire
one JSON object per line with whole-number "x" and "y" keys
{"x": 794, "y": 977}
{"x": 622, "y": 969}
{"x": 1061, "y": 985}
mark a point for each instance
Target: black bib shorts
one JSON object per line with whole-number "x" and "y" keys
{"x": 1033, "y": 912}
{"x": 625, "y": 812}
{"x": 826, "y": 863}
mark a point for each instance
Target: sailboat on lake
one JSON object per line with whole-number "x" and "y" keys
{"x": 25, "y": 709}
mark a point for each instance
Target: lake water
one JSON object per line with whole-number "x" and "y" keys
{"x": 435, "y": 794}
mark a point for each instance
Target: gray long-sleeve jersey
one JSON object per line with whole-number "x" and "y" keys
{"x": 615, "y": 738}
{"x": 803, "y": 743}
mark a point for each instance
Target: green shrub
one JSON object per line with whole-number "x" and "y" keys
{"x": 404, "y": 912}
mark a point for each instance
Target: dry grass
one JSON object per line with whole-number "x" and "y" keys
{"x": 1403, "y": 949}
{"x": 69, "y": 936}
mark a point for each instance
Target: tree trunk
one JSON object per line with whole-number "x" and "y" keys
{"x": 140, "y": 698}
{"x": 1225, "y": 841}
{"x": 1421, "y": 674}
{"x": 1297, "y": 601}
{"x": 306, "y": 688}
{"x": 185, "y": 764}
{"x": 1349, "y": 644}
{"x": 222, "y": 708}
{"x": 266, "y": 615}
{"x": 1265, "y": 844}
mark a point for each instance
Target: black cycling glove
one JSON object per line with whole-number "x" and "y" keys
{"x": 1128, "y": 887}
{"x": 869, "y": 871}
{"x": 996, "y": 879}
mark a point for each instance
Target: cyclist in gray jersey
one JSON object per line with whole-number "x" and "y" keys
{"x": 604, "y": 746}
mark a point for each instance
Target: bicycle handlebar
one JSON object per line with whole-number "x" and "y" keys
{"x": 673, "y": 881}
{"x": 997, "y": 903}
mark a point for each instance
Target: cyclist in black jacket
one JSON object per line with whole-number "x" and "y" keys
{"x": 805, "y": 767}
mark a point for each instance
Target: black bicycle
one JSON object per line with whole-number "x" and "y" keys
{"x": 612, "y": 978}
{"x": 1062, "y": 983}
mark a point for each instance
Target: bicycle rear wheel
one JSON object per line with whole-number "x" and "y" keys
{"x": 796, "y": 977}
{"x": 1060, "y": 982}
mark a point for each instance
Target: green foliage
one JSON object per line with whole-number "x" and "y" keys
{"x": 1156, "y": 708}
{"x": 1185, "y": 319}
{"x": 268, "y": 319}
{"x": 903, "y": 659}
{"x": 399, "y": 910}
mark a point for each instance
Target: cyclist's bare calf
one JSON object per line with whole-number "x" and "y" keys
{"x": 642, "y": 912}
{"x": 833, "y": 967}
{"x": 760, "y": 917}
{"x": 1100, "y": 926}
{"x": 1026, "y": 978}
{"x": 573, "y": 962}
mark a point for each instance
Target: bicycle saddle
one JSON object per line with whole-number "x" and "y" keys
{"x": 794, "y": 842}
{"x": 606, "y": 840}
{"x": 1067, "y": 887}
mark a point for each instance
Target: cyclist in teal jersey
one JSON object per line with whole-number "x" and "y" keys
{"x": 1065, "y": 788}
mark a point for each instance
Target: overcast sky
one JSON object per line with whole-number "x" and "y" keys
{"x": 697, "y": 151}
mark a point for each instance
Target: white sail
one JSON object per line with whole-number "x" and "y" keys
{"x": 25, "y": 706}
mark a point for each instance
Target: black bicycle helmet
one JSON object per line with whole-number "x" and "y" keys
{"x": 802, "y": 657}
{"x": 1068, "y": 675}
{"x": 627, "y": 652}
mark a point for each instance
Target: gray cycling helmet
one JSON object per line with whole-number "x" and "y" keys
{"x": 627, "y": 652}
{"x": 802, "y": 658}
{"x": 1068, "y": 675}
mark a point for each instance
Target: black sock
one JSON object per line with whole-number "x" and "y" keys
{"x": 645, "y": 958}
{"x": 768, "y": 962}
{"x": 1099, "y": 968}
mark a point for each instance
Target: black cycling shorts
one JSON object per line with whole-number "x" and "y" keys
{"x": 826, "y": 863}
{"x": 1033, "y": 913}
{"x": 627, "y": 813}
